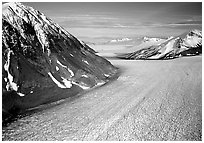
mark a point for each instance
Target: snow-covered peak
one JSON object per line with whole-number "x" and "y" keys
{"x": 187, "y": 44}
{"x": 193, "y": 38}
{"x": 18, "y": 15}
{"x": 196, "y": 32}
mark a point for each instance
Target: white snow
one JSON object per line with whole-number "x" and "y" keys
{"x": 56, "y": 82}
{"x": 171, "y": 37}
{"x": 5, "y": 79}
{"x": 81, "y": 42}
{"x": 70, "y": 71}
{"x": 192, "y": 41}
{"x": 84, "y": 75}
{"x": 67, "y": 83}
{"x": 57, "y": 69}
{"x": 120, "y": 40}
{"x": 82, "y": 86}
{"x": 198, "y": 32}
{"x": 6, "y": 5}
{"x": 86, "y": 62}
{"x": 100, "y": 83}
{"x": 48, "y": 52}
{"x": 183, "y": 47}
{"x": 151, "y": 39}
{"x": 45, "y": 19}
{"x": 11, "y": 84}
{"x": 86, "y": 87}
{"x": 113, "y": 40}
{"x": 20, "y": 94}
{"x": 42, "y": 37}
{"x": 168, "y": 46}
{"x": 106, "y": 75}
{"x": 72, "y": 74}
{"x": 61, "y": 64}
{"x": 155, "y": 56}
{"x": 7, "y": 86}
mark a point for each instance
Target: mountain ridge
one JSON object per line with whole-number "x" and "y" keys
{"x": 186, "y": 44}
{"x": 41, "y": 60}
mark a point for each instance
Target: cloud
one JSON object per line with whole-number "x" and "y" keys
{"x": 190, "y": 22}
{"x": 86, "y": 20}
{"x": 186, "y": 23}
{"x": 106, "y": 21}
{"x": 175, "y": 24}
{"x": 84, "y": 17}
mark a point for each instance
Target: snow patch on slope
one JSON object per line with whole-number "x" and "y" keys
{"x": 168, "y": 48}
{"x": 85, "y": 62}
{"x": 66, "y": 82}
{"x": 56, "y": 81}
{"x": 10, "y": 84}
{"x": 70, "y": 71}
{"x": 57, "y": 69}
{"x": 82, "y": 86}
{"x": 20, "y": 94}
{"x": 83, "y": 75}
{"x": 106, "y": 75}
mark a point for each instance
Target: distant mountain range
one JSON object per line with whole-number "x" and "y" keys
{"x": 120, "y": 40}
{"x": 42, "y": 62}
{"x": 147, "y": 39}
{"x": 187, "y": 44}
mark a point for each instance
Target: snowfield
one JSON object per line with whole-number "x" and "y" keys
{"x": 57, "y": 88}
{"x": 150, "y": 100}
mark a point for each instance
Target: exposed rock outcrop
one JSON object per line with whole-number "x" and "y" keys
{"x": 42, "y": 62}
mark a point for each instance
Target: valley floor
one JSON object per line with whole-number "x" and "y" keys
{"x": 151, "y": 100}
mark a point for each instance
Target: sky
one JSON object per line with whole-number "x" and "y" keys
{"x": 123, "y": 19}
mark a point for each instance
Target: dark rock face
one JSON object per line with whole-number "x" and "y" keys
{"x": 42, "y": 62}
{"x": 187, "y": 44}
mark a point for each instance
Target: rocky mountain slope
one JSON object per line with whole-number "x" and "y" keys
{"x": 42, "y": 62}
{"x": 187, "y": 44}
